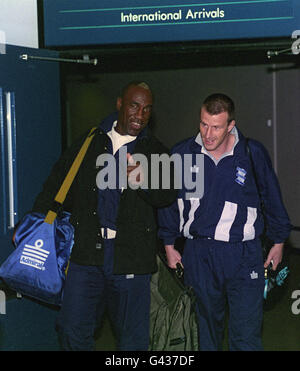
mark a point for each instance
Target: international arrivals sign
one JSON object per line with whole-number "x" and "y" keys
{"x": 110, "y": 22}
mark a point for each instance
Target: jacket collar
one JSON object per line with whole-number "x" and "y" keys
{"x": 239, "y": 146}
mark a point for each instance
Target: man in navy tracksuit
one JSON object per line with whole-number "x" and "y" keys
{"x": 222, "y": 257}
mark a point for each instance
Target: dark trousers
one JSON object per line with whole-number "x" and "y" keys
{"x": 224, "y": 274}
{"x": 89, "y": 291}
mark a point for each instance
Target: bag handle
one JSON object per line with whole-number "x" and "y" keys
{"x": 62, "y": 193}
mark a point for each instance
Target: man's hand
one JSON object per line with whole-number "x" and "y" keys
{"x": 275, "y": 255}
{"x": 173, "y": 256}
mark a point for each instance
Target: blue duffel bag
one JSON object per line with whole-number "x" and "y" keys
{"x": 37, "y": 267}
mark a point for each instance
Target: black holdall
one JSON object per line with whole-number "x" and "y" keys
{"x": 273, "y": 279}
{"x": 37, "y": 267}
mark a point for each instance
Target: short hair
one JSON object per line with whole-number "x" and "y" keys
{"x": 142, "y": 84}
{"x": 217, "y": 103}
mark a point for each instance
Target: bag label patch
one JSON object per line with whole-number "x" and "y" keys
{"x": 34, "y": 256}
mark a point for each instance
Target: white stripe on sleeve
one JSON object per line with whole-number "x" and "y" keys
{"x": 195, "y": 202}
{"x": 180, "y": 208}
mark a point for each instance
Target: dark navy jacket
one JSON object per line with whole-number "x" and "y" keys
{"x": 136, "y": 238}
{"x": 230, "y": 207}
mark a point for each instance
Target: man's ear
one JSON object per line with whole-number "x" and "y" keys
{"x": 119, "y": 103}
{"x": 231, "y": 125}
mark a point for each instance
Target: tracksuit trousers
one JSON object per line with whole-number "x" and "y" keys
{"x": 224, "y": 273}
{"x": 89, "y": 291}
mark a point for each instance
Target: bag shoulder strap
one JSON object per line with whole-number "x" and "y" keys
{"x": 252, "y": 166}
{"x": 62, "y": 193}
{"x": 262, "y": 205}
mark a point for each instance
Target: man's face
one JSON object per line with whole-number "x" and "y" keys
{"x": 215, "y": 130}
{"x": 134, "y": 111}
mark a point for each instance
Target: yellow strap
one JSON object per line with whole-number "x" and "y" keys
{"x": 50, "y": 217}
{"x": 61, "y": 194}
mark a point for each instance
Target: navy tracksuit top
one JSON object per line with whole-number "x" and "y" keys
{"x": 229, "y": 209}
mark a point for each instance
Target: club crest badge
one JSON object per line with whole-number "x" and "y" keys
{"x": 240, "y": 176}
